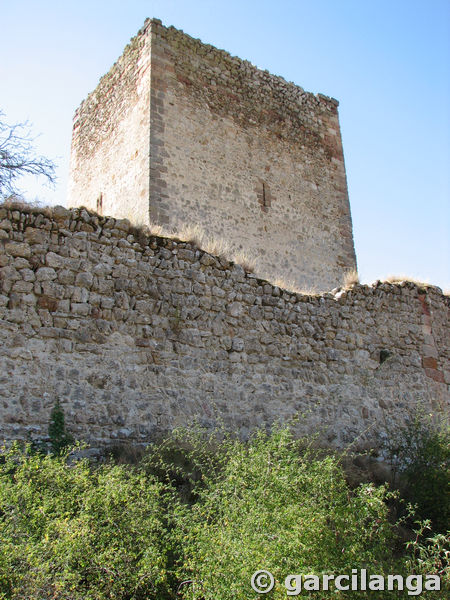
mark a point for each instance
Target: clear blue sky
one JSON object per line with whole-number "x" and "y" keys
{"x": 386, "y": 61}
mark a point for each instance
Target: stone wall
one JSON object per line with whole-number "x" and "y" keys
{"x": 136, "y": 335}
{"x": 251, "y": 158}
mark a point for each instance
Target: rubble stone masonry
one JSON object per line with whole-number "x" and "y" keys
{"x": 135, "y": 335}
{"x": 179, "y": 133}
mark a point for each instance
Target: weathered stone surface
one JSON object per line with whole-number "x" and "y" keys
{"x": 158, "y": 341}
{"x": 46, "y": 274}
{"x": 84, "y": 279}
{"x": 34, "y": 236}
{"x": 47, "y": 302}
{"x": 18, "y": 249}
{"x": 60, "y": 213}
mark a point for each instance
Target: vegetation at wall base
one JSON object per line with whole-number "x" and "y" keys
{"x": 59, "y": 437}
{"x": 205, "y": 513}
{"x": 419, "y": 453}
{"x": 72, "y": 531}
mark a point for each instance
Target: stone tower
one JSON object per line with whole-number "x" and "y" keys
{"x": 180, "y": 133}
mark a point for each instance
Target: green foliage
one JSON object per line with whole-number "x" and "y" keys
{"x": 207, "y": 511}
{"x": 81, "y": 533}
{"x": 430, "y": 555}
{"x": 272, "y": 508}
{"x": 420, "y": 451}
{"x": 60, "y": 439}
{"x": 185, "y": 460}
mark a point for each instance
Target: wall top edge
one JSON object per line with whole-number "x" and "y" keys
{"x": 19, "y": 215}
{"x": 154, "y": 25}
{"x": 157, "y": 26}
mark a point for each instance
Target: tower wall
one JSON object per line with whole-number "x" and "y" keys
{"x": 109, "y": 166}
{"x": 254, "y": 159}
{"x": 181, "y": 134}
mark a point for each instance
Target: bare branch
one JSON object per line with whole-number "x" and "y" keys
{"x": 17, "y": 157}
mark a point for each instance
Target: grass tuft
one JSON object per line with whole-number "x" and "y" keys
{"x": 351, "y": 278}
{"x": 195, "y": 234}
{"x": 243, "y": 258}
{"x": 404, "y": 278}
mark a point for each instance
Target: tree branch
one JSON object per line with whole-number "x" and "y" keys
{"x": 17, "y": 157}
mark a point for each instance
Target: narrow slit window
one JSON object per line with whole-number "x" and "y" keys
{"x": 264, "y": 196}
{"x": 100, "y": 204}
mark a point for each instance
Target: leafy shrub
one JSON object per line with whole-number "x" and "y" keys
{"x": 80, "y": 533}
{"x": 271, "y": 508}
{"x": 430, "y": 555}
{"x": 420, "y": 452}
{"x": 185, "y": 460}
{"x": 208, "y": 511}
{"x": 60, "y": 439}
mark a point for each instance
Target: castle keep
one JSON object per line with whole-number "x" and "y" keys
{"x": 135, "y": 334}
{"x": 179, "y": 133}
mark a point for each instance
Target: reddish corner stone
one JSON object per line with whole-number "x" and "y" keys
{"x": 435, "y": 374}
{"x": 429, "y": 362}
{"x": 423, "y": 302}
{"x": 47, "y": 302}
{"x": 184, "y": 80}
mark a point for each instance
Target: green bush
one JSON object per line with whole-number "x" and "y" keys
{"x": 275, "y": 509}
{"x": 430, "y": 555}
{"x": 420, "y": 452}
{"x": 195, "y": 519}
{"x": 60, "y": 439}
{"x": 81, "y": 533}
